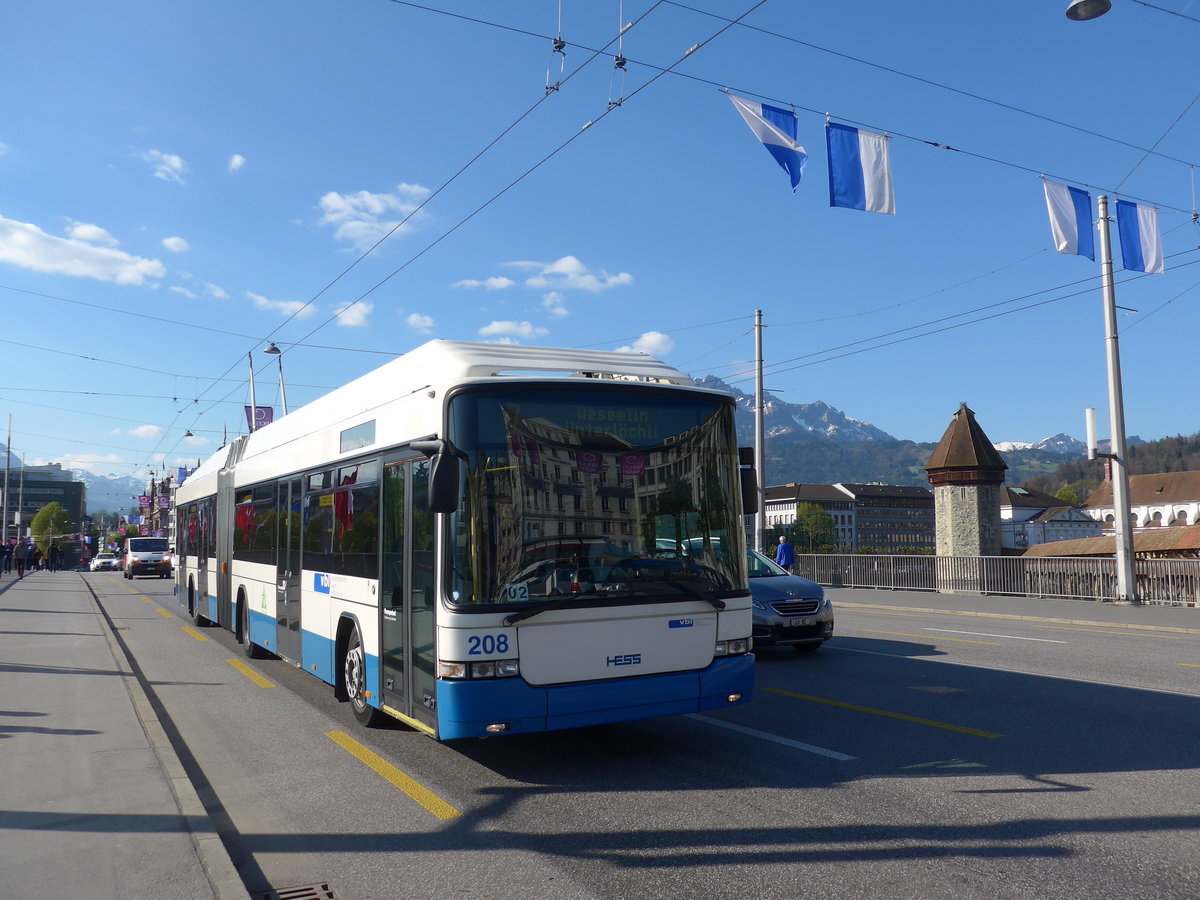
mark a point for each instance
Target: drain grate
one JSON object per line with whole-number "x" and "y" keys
{"x": 304, "y": 892}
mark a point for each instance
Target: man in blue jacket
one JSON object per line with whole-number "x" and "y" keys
{"x": 784, "y": 555}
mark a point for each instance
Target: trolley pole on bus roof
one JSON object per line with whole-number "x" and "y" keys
{"x": 253, "y": 403}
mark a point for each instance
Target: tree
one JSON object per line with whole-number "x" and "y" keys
{"x": 1066, "y": 495}
{"x": 815, "y": 529}
{"x": 52, "y": 522}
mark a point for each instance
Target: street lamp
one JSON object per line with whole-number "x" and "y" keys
{"x": 278, "y": 354}
{"x": 1083, "y": 10}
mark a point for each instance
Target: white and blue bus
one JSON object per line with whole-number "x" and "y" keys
{"x": 477, "y": 539}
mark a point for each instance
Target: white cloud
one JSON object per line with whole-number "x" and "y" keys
{"x": 287, "y": 307}
{"x": 213, "y": 291}
{"x": 175, "y": 244}
{"x": 182, "y": 290}
{"x": 495, "y": 283}
{"x": 95, "y": 463}
{"x": 31, "y": 248}
{"x": 93, "y": 234}
{"x": 653, "y": 342}
{"x": 236, "y": 162}
{"x": 3, "y": 149}
{"x": 553, "y": 304}
{"x": 355, "y": 315}
{"x": 524, "y": 330}
{"x": 569, "y": 273}
{"x": 420, "y": 323}
{"x": 167, "y": 166}
{"x": 147, "y": 431}
{"x": 363, "y": 218}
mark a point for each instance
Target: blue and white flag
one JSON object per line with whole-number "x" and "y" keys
{"x": 776, "y": 128}
{"x": 1070, "y": 219}
{"x": 1141, "y": 244}
{"x": 860, "y": 170}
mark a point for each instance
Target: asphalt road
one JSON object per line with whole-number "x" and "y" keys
{"x": 918, "y": 754}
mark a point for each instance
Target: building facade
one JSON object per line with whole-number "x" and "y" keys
{"x": 883, "y": 518}
{"x": 1029, "y": 517}
{"x": 1155, "y": 501}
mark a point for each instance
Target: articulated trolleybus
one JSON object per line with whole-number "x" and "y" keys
{"x": 483, "y": 539}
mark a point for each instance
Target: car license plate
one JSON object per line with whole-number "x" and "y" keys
{"x": 795, "y": 623}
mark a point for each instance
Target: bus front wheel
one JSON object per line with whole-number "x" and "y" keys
{"x": 354, "y": 674}
{"x": 252, "y": 649}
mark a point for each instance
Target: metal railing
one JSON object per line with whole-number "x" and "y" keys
{"x": 1171, "y": 582}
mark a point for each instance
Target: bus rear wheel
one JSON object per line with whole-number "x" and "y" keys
{"x": 354, "y": 675}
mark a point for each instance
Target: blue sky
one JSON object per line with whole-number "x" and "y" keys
{"x": 184, "y": 182}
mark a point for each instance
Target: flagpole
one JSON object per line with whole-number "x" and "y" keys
{"x": 1126, "y": 579}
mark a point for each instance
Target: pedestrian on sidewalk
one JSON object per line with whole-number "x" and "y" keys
{"x": 4, "y": 559}
{"x": 54, "y": 557}
{"x": 21, "y": 556}
{"x": 784, "y": 554}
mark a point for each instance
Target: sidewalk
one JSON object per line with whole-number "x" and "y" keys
{"x": 1179, "y": 619}
{"x": 94, "y": 801}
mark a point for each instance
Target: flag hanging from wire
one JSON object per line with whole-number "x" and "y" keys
{"x": 1141, "y": 244}
{"x": 860, "y": 169}
{"x": 776, "y": 128}
{"x": 1070, "y": 219}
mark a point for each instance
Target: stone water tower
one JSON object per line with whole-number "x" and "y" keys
{"x": 966, "y": 472}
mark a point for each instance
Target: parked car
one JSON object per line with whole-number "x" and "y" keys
{"x": 788, "y": 610}
{"x": 105, "y": 562}
{"x": 146, "y": 556}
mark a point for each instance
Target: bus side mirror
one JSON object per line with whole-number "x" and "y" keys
{"x": 443, "y": 475}
{"x": 749, "y": 479}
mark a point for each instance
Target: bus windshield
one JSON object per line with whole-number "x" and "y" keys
{"x": 597, "y": 494}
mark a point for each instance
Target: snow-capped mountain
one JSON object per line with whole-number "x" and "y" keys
{"x": 798, "y": 421}
{"x": 1059, "y": 443}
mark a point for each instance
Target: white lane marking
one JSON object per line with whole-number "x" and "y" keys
{"x": 1011, "y": 637}
{"x": 787, "y": 742}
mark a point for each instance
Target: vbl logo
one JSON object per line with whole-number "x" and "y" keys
{"x": 625, "y": 659}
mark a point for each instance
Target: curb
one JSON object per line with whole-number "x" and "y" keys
{"x": 1134, "y": 626}
{"x": 214, "y": 859}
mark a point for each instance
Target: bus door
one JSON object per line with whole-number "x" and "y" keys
{"x": 287, "y": 570}
{"x": 407, "y": 605}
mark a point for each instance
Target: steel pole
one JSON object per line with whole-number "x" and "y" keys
{"x": 760, "y": 454}
{"x": 1126, "y": 580}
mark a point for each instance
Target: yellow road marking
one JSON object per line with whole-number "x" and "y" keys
{"x": 1161, "y": 637}
{"x": 1190, "y": 665}
{"x": 885, "y": 713}
{"x": 147, "y": 600}
{"x": 250, "y": 673}
{"x": 939, "y": 638}
{"x": 163, "y": 612}
{"x": 898, "y": 615}
{"x": 390, "y": 773}
{"x": 194, "y": 633}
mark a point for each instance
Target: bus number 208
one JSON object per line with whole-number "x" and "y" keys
{"x": 487, "y": 644}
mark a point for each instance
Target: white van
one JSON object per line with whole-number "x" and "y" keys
{"x": 146, "y": 556}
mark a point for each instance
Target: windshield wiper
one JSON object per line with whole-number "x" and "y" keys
{"x": 565, "y": 600}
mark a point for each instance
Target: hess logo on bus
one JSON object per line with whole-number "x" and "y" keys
{"x": 625, "y": 659}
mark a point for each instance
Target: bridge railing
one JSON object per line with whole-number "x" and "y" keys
{"x": 1173, "y": 582}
